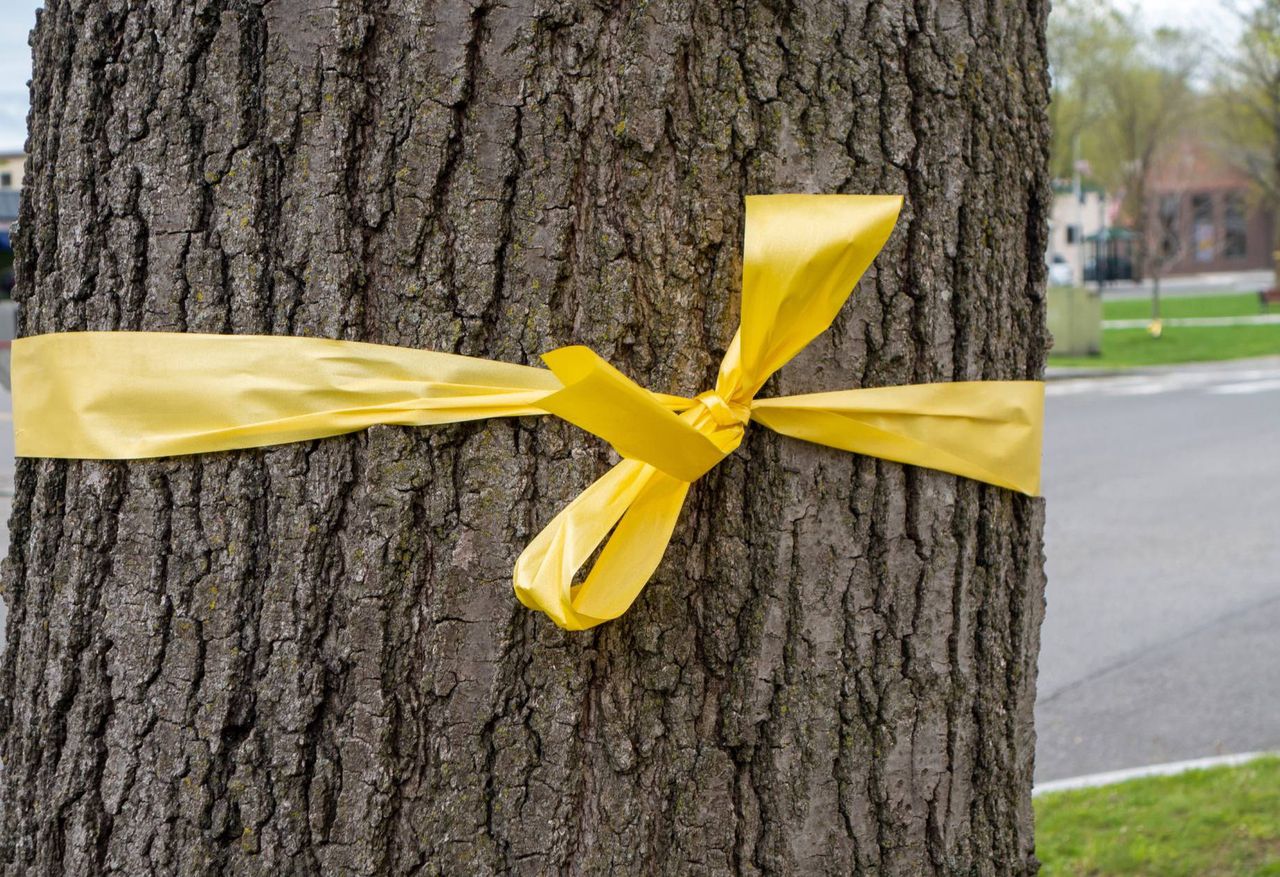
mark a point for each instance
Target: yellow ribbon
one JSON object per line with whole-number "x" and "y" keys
{"x": 126, "y": 395}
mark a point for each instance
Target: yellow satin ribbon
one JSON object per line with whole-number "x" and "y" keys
{"x": 128, "y": 395}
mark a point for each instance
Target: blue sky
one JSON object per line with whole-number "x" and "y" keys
{"x": 18, "y": 16}
{"x": 16, "y": 20}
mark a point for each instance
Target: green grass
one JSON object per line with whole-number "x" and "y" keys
{"x": 1241, "y": 305}
{"x": 1223, "y": 822}
{"x": 1122, "y": 348}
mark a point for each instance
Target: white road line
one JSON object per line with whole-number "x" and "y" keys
{"x": 1153, "y": 770}
{"x": 1152, "y": 389}
{"x": 1245, "y": 387}
{"x": 1076, "y": 386}
{"x": 1217, "y": 382}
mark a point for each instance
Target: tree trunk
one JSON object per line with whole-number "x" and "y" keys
{"x": 308, "y": 659}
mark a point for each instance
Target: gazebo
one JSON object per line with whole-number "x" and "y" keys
{"x": 1110, "y": 255}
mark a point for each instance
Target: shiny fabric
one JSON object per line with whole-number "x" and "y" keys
{"x": 129, "y": 395}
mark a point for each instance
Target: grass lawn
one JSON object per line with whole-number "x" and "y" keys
{"x": 1134, "y": 347}
{"x": 1242, "y": 305}
{"x": 1130, "y": 347}
{"x": 1221, "y": 822}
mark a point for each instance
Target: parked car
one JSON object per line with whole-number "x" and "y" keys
{"x": 1060, "y": 273}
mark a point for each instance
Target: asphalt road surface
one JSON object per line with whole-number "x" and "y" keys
{"x": 1163, "y": 542}
{"x": 1161, "y": 639}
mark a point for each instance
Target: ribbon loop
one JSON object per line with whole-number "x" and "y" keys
{"x": 605, "y": 402}
{"x": 644, "y": 504}
{"x": 802, "y": 256}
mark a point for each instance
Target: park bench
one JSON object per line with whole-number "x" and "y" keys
{"x": 1268, "y": 297}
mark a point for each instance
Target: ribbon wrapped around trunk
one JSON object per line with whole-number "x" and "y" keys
{"x": 130, "y": 395}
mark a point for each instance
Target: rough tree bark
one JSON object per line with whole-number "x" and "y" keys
{"x": 308, "y": 659}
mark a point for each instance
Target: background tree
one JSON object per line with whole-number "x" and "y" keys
{"x": 1168, "y": 239}
{"x": 1085, "y": 38}
{"x": 1122, "y": 96}
{"x": 1149, "y": 98}
{"x": 1249, "y": 91}
{"x": 308, "y": 660}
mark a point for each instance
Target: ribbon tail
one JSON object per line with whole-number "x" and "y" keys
{"x": 635, "y": 502}
{"x": 988, "y": 430}
{"x": 128, "y": 395}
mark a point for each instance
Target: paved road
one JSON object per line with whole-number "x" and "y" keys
{"x": 1163, "y": 544}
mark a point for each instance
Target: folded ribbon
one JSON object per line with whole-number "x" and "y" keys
{"x": 126, "y": 395}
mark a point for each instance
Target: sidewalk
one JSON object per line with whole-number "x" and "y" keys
{"x": 1203, "y": 322}
{"x": 1221, "y": 283}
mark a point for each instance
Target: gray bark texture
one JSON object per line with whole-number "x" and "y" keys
{"x": 308, "y": 659}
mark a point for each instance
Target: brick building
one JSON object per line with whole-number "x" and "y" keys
{"x": 1203, "y": 215}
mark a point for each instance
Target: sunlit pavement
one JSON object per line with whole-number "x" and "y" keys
{"x": 1163, "y": 543}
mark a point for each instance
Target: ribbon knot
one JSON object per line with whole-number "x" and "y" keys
{"x": 726, "y": 414}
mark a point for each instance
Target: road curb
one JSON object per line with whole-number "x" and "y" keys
{"x": 1070, "y": 372}
{"x": 1171, "y": 768}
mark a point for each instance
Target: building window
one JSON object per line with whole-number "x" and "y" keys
{"x": 1202, "y": 237}
{"x": 1235, "y": 236}
{"x": 6, "y": 179}
{"x": 1073, "y": 234}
